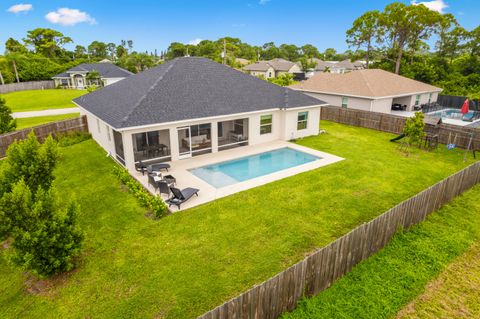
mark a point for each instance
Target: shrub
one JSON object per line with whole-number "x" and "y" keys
{"x": 147, "y": 200}
{"x": 31, "y": 161}
{"x": 48, "y": 238}
{"x": 92, "y": 88}
{"x": 414, "y": 127}
{"x": 7, "y": 122}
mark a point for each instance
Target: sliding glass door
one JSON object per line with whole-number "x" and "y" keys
{"x": 184, "y": 142}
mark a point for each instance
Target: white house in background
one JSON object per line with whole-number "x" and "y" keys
{"x": 192, "y": 106}
{"x": 370, "y": 90}
{"x": 77, "y": 77}
{"x": 272, "y": 68}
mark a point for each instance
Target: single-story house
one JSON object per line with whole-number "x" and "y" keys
{"x": 371, "y": 90}
{"x": 335, "y": 66}
{"x": 273, "y": 68}
{"x": 77, "y": 77}
{"x": 192, "y": 106}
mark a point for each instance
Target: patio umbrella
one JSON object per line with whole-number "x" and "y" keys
{"x": 464, "y": 109}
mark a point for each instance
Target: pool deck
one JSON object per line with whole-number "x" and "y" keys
{"x": 180, "y": 170}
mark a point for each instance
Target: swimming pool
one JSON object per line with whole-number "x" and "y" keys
{"x": 241, "y": 169}
{"x": 451, "y": 114}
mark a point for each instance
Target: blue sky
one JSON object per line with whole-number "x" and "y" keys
{"x": 154, "y": 24}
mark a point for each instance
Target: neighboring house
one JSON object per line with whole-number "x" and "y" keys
{"x": 77, "y": 77}
{"x": 335, "y": 66}
{"x": 192, "y": 106}
{"x": 371, "y": 90}
{"x": 273, "y": 68}
{"x": 241, "y": 61}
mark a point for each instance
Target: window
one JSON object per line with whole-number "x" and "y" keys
{"x": 345, "y": 101}
{"x": 269, "y": 74}
{"x": 302, "y": 120}
{"x": 265, "y": 124}
{"x": 220, "y": 129}
{"x": 429, "y": 98}
{"x": 108, "y": 132}
{"x": 417, "y": 99}
{"x": 98, "y": 126}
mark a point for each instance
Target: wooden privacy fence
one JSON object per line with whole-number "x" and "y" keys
{"x": 394, "y": 124}
{"x": 78, "y": 124}
{"x": 319, "y": 270}
{"x": 23, "y": 86}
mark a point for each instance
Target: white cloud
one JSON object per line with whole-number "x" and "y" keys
{"x": 262, "y": 2}
{"x": 69, "y": 17}
{"x": 195, "y": 41}
{"x": 435, "y": 5}
{"x": 21, "y": 7}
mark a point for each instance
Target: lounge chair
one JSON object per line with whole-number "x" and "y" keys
{"x": 157, "y": 167}
{"x": 140, "y": 167}
{"x": 181, "y": 196}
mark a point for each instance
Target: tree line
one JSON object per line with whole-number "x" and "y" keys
{"x": 42, "y": 54}
{"x": 394, "y": 39}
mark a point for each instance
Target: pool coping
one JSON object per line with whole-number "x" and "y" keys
{"x": 180, "y": 170}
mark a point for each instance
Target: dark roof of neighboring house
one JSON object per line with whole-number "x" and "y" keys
{"x": 106, "y": 70}
{"x": 187, "y": 88}
{"x": 62, "y": 75}
{"x": 373, "y": 83}
{"x": 276, "y": 64}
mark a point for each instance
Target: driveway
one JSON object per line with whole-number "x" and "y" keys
{"x": 19, "y": 115}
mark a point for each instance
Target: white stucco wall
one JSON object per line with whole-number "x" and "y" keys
{"x": 382, "y": 105}
{"x": 336, "y": 100}
{"x": 101, "y": 132}
{"x": 291, "y": 120}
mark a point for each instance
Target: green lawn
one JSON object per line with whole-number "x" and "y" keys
{"x": 39, "y": 120}
{"x": 455, "y": 293}
{"x": 37, "y": 100}
{"x": 383, "y": 284}
{"x": 190, "y": 262}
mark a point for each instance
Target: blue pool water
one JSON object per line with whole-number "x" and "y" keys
{"x": 245, "y": 168}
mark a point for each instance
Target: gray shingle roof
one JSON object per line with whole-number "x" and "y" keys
{"x": 62, "y": 75}
{"x": 106, "y": 70}
{"x": 187, "y": 88}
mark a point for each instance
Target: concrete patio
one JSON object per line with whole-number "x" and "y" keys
{"x": 180, "y": 170}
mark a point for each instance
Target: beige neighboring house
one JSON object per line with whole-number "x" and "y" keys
{"x": 370, "y": 90}
{"x": 242, "y": 61}
{"x": 272, "y": 68}
{"x": 335, "y": 66}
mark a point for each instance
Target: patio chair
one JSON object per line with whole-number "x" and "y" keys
{"x": 181, "y": 196}
{"x": 153, "y": 181}
{"x": 164, "y": 187}
{"x": 140, "y": 167}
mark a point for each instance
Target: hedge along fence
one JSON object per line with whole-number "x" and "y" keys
{"x": 23, "y": 86}
{"x": 394, "y": 124}
{"x": 78, "y": 124}
{"x": 319, "y": 270}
